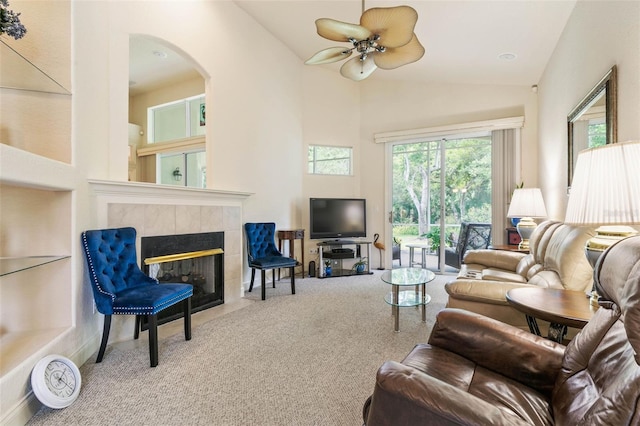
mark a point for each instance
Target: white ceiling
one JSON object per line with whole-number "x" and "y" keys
{"x": 463, "y": 39}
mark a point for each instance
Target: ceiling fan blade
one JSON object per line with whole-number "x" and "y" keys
{"x": 327, "y": 56}
{"x": 394, "y": 25}
{"x": 399, "y": 56}
{"x": 341, "y": 31}
{"x": 357, "y": 70}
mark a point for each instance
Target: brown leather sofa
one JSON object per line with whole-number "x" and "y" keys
{"x": 556, "y": 260}
{"x": 478, "y": 371}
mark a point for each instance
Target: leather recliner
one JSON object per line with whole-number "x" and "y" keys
{"x": 478, "y": 371}
{"x": 557, "y": 260}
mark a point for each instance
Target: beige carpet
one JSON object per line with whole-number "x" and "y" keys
{"x": 304, "y": 359}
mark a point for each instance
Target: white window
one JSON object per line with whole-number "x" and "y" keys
{"x": 330, "y": 160}
{"x": 184, "y": 118}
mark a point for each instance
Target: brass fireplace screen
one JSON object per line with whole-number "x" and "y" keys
{"x": 199, "y": 263}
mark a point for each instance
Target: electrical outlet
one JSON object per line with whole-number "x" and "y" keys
{"x": 313, "y": 250}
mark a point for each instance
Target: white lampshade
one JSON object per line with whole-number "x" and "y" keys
{"x": 605, "y": 191}
{"x": 527, "y": 202}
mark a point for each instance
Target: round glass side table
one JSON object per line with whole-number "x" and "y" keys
{"x": 407, "y": 277}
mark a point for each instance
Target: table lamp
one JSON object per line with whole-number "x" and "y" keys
{"x": 526, "y": 203}
{"x": 605, "y": 192}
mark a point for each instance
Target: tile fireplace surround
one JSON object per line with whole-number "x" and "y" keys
{"x": 166, "y": 210}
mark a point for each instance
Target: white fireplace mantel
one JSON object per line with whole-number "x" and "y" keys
{"x": 109, "y": 192}
{"x": 165, "y": 209}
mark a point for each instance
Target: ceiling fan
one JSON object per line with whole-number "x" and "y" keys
{"x": 384, "y": 39}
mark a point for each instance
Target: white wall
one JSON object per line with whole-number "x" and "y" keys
{"x": 331, "y": 105}
{"x": 598, "y": 35}
{"x": 253, "y": 95}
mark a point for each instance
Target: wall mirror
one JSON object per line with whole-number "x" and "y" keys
{"x": 593, "y": 121}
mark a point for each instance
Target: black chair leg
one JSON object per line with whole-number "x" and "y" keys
{"x": 153, "y": 339}
{"x": 187, "y": 318}
{"x": 273, "y": 277}
{"x": 136, "y": 332}
{"x": 264, "y": 284}
{"x": 105, "y": 337}
{"x": 253, "y": 275}
{"x": 293, "y": 280}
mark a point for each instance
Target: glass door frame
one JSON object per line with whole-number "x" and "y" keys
{"x": 388, "y": 187}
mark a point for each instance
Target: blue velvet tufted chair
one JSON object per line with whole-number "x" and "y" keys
{"x": 121, "y": 288}
{"x": 263, "y": 254}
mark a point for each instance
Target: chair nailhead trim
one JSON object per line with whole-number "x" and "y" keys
{"x": 94, "y": 277}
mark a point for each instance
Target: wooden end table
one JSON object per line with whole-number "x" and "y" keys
{"x": 562, "y": 308}
{"x": 508, "y": 247}
{"x": 291, "y": 235}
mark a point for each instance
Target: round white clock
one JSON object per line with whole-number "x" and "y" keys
{"x": 56, "y": 381}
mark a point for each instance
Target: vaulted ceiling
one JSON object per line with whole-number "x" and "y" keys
{"x": 466, "y": 42}
{"x": 463, "y": 39}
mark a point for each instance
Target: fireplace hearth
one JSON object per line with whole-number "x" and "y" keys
{"x": 196, "y": 259}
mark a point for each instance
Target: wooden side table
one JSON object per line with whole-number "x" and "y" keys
{"x": 508, "y": 247}
{"x": 291, "y": 235}
{"x": 562, "y": 308}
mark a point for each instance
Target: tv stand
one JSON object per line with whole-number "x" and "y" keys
{"x": 336, "y": 252}
{"x": 340, "y": 242}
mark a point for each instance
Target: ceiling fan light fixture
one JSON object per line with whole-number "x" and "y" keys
{"x": 391, "y": 26}
{"x": 357, "y": 70}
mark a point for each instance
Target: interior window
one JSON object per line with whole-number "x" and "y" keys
{"x": 183, "y": 169}
{"x": 184, "y": 118}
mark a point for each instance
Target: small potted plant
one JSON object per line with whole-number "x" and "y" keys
{"x": 434, "y": 239}
{"x": 327, "y": 268}
{"x": 360, "y": 265}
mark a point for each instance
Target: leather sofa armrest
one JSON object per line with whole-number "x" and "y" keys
{"x": 484, "y": 291}
{"x": 499, "y": 347}
{"x": 502, "y": 259}
{"x": 492, "y": 274}
{"x": 406, "y": 396}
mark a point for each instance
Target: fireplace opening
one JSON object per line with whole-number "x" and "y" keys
{"x": 196, "y": 259}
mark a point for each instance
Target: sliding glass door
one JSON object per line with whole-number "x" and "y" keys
{"x": 436, "y": 185}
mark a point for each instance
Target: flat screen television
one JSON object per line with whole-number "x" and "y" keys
{"x": 337, "y": 218}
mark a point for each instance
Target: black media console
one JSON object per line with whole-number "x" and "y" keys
{"x": 336, "y": 251}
